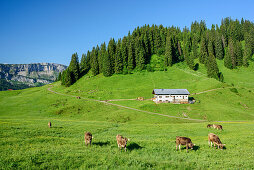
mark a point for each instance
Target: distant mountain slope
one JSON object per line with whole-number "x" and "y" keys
{"x": 25, "y": 75}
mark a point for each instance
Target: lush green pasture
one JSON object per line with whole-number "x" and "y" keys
{"x": 30, "y": 143}
{"x": 27, "y": 142}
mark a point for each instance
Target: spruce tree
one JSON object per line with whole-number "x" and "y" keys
{"x": 74, "y": 67}
{"x": 124, "y": 51}
{"x": 169, "y": 52}
{"x": 210, "y": 47}
{"x": 107, "y": 65}
{"x": 112, "y": 52}
{"x": 219, "y": 50}
{"x": 212, "y": 67}
{"x": 130, "y": 57}
{"x": 94, "y": 62}
{"x": 69, "y": 78}
{"x": 118, "y": 58}
{"x": 231, "y": 52}
{"x": 203, "y": 51}
{"x": 228, "y": 60}
{"x": 238, "y": 53}
{"x": 195, "y": 45}
{"x": 83, "y": 65}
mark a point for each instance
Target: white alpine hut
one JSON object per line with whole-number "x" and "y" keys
{"x": 180, "y": 96}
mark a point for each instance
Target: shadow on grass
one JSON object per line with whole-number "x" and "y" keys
{"x": 195, "y": 148}
{"x": 56, "y": 127}
{"x": 101, "y": 143}
{"x": 133, "y": 146}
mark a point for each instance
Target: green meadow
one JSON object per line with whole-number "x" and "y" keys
{"x": 26, "y": 142}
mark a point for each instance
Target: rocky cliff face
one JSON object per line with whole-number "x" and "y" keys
{"x": 31, "y": 74}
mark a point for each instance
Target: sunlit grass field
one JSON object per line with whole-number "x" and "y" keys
{"x": 26, "y": 142}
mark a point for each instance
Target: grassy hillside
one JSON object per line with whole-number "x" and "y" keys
{"x": 27, "y": 142}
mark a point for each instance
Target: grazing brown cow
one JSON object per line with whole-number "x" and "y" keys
{"x": 88, "y": 138}
{"x": 218, "y": 127}
{"x": 49, "y": 124}
{"x": 78, "y": 97}
{"x": 121, "y": 141}
{"x": 214, "y": 140}
{"x": 184, "y": 141}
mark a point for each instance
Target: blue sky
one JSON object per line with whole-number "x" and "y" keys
{"x": 34, "y": 31}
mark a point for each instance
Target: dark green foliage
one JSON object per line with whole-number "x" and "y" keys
{"x": 212, "y": 67}
{"x": 5, "y": 85}
{"x": 84, "y": 64}
{"x": 169, "y": 52}
{"x": 124, "y": 51}
{"x": 68, "y": 78}
{"x": 228, "y": 61}
{"x": 74, "y": 67}
{"x": 171, "y": 45}
{"x": 211, "y": 47}
{"x": 238, "y": 53}
{"x": 219, "y": 50}
{"x": 111, "y": 52}
{"x": 107, "y": 66}
{"x": 188, "y": 55}
{"x": 203, "y": 50}
{"x": 234, "y": 56}
{"x": 94, "y": 61}
{"x": 131, "y": 59}
{"x": 118, "y": 58}
{"x": 195, "y": 45}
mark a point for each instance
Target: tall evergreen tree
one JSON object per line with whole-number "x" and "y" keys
{"x": 124, "y": 51}
{"x": 219, "y": 50}
{"x": 203, "y": 50}
{"x": 94, "y": 62}
{"x": 74, "y": 67}
{"x": 107, "y": 65}
{"x": 212, "y": 67}
{"x": 210, "y": 47}
{"x": 69, "y": 78}
{"x": 83, "y": 65}
{"x": 118, "y": 58}
{"x": 195, "y": 45}
{"x": 131, "y": 65}
{"x": 169, "y": 52}
{"x": 228, "y": 61}
{"x": 238, "y": 53}
{"x": 112, "y": 52}
{"x": 231, "y": 52}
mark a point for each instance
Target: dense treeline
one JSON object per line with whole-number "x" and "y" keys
{"x": 232, "y": 42}
{"x": 5, "y": 85}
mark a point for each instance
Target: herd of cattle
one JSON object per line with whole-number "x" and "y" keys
{"x": 122, "y": 141}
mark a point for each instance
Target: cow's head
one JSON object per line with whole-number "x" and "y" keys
{"x": 221, "y": 146}
{"x": 126, "y": 139}
{"x": 191, "y": 145}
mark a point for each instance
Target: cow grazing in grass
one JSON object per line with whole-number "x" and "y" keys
{"x": 209, "y": 125}
{"x": 88, "y": 138}
{"x": 218, "y": 127}
{"x": 121, "y": 141}
{"x": 214, "y": 140}
{"x": 184, "y": 141}
{"x": 49, "y": 124}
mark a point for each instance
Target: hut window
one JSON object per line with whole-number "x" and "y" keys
{"x": 167, "y": 96}
{"x": 160, "y": 96}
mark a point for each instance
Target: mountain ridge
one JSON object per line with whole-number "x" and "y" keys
{"x": 34, "y": 74}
